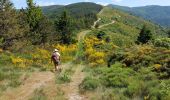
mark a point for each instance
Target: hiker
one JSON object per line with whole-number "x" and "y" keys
{"x": 56, "y": 59}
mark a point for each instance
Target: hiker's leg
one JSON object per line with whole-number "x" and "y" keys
{"x": 55, "y": 66}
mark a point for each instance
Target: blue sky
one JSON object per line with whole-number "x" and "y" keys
{"x": 131, "y": 3}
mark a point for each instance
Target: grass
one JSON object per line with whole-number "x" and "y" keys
{"x": 10, "y": 77}
{"x": 123, "y": 83}
{"x": 65, "y": 75}
{"x": 48, "y": 93}
{"x": 39, "y": 95}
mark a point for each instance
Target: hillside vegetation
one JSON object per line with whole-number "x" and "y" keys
{"x": 106, "y": 54}
{"x": 77, "y": 9}
{"x": 120, "y": 67}
{"x": 157, "y": 14}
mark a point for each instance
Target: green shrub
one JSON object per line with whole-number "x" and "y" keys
{"x": 89, "y": 84}
{"x": 63, "y": 78}
{"x": 162, "y": 42}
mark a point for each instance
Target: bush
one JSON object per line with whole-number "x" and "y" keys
{"x": 63, "y": 78}
{"x": 89, "y": 84}
{"x": 114, "y": 77}
{"x": 163, "y": 42}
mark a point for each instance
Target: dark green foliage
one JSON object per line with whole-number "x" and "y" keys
{"x": 77, "y": 10}
{"x": 101, "y": 35}
{"x": 10, "y": 28}
{"x": 83, "y": 14}
{"x": 34, "y": 15}
{"x": 64, "y": 27}
{"x": 145, "y": 35}
{"x": 46, "y": 31}
{"x": 169, "y": 33}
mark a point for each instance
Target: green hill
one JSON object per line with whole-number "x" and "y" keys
{"x": 83, "y": 14}
{"x": 102, "y": 57}
{"x": 126, "y": 26}
{"x": 52, "y": 8}
{"x": 157, "y": 14}
{"x": 77, "y": 9}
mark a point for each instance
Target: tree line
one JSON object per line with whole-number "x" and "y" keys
{"x": 31, "y": 25}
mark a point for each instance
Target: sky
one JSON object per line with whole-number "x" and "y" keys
{"x": 130, "y": 3}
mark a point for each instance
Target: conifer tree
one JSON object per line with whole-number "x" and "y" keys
{"x": 9, "y": 26}
{"x": 145, "y": 35}
{"x": 64, "y": 27}
{"x": 34, "y": 17}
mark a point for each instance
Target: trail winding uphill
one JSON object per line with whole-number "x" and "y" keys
{"x": 106, "y": 24}
{"x": 42, "y": 79}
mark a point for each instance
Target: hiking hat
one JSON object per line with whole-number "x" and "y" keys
{"x": 55, "y": 50}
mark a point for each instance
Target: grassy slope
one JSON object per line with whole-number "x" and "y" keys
{"x": 125, "y": 27}
{"x": 157, "y": 14}
{"x": 121, "y": 81}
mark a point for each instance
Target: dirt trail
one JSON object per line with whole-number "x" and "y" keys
{"x": 24, "y": 92}
{"x": 72, "y": 89}
{"x": 82, "y": 34}
{"x": 106, "y": 24}
{"x": 41, "y": 79}
{"x": 96, "y": 23}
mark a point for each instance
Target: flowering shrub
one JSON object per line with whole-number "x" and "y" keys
{"x": 157, "y": 67}
{"x": 21, "y": 62}
{"x": 94, "y": 56}
{"x": 67, "y": 52}
{"x": 41, "y": 57}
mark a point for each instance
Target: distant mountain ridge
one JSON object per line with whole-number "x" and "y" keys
{"x": 155, "y": 13}
{"x": 76, "y": 9}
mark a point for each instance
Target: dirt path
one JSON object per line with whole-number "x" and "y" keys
{"x": 24, "y": 92}
{"x": 106, "y": 24}
{"x": 72, "y": 89}
{"x": 95, "y": 23}
{"x": 82, "y": 34}
{"x": 41, "y": 79}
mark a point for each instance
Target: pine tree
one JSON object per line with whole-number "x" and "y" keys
{"x": 64, "y": 27}
{"x": 145, "y": 35}
{"x": 34, "y": 17}
{"x": 9, "y": 25}
{"x": 45, "y": 29}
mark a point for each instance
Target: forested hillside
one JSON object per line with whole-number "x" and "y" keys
{"x": 53, "y": 8}
{"x": 77, "y": 9}
{"x": 104, "y": 54}
{"x": 83, "y": 14}
{"x": 157, "y": 14}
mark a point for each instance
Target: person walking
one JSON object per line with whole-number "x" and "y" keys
{"x": 55, "y": 58}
